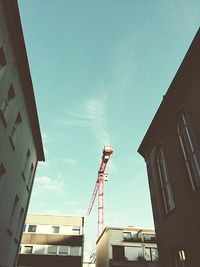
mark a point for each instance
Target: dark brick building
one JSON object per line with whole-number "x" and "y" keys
{"x": 171, "y": 149}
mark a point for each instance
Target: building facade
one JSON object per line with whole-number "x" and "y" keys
{"x": 52, "y": 240}
{"x": 20, "y": 145}
{"x": 171, "y": 149}
{"x": 127, "y": 247}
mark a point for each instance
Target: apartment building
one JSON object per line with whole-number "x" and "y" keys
{"x": 171, "y": 149}
{"x": 52, "y": 240}
{"x": 127, "y": 247}
{"x": 20, "y": 146}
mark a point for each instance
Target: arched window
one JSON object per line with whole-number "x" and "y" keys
{"x": 189, "y": 148}
{"x": 165, "y": 181}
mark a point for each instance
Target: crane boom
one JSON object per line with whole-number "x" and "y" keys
{"x": 99, "y": 187}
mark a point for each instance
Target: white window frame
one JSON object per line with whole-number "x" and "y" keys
{"x": 165, "y": 181}
{"x": 189, "y": 149}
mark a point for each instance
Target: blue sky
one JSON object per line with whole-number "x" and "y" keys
{"x": 99, "y": 70}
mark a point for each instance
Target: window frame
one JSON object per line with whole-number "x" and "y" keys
{"x": 55, "y": 227}
{"x": 7, "y": 101}
{"x": 189, "y": 148}
{"x": 165, "y": 179}
{"x": 31, "y": 225}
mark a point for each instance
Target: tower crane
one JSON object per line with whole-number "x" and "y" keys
{"x": 99, "y": 187}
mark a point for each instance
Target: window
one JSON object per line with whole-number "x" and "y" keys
{"x": 118, "y": 253}
{"x": 6, "y": 103}
{"x": 189, "y": 148}
{"x": 30, "y": 176}
{"x": 165, "y": 182}
{"x": 26, "y": 164}
{"x": 20, "y": 223}
{"x": 55, "y": 229}
{"x": 63, "y": 250}
{"x": 28, "y": 249}
{"x": 127, "y": 235}
{"x": 24, "y": 228}
{"x": 52, "y": 250}
{"x": 2, "y": 58}
{"x": 39, "y": 249}
{"x": 149, "y": 237}
{"x": 151, "y": 254}
{"x": 14, "y": 130}
{"x": 133, "y": 253}
{"x": 76, "y": 230}
{"x": 12, "y": 220}
{"x": 32, "y": 228}
{"x": 2, "y": 169}
{"x": 180, "y": 259}
{"x": 75, "y": 251}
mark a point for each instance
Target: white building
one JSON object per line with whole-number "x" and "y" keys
{"x": 20, "y": 138}
{"x": 127, "y": 247}
{"x": 52, "y": 240}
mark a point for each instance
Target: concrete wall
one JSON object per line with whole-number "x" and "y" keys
{"x": 17, "y": 178}
{"x": 114, "y": 237}
{"x": 102, "y": 250}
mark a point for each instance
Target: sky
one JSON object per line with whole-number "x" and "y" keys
{"x": 99, "y": 70}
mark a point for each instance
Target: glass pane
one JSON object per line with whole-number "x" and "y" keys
{"x": 133, "y": 253}
{"x": 127, "y": 235}
{"x": 39, "y": 250}
{"x": 55, "y": 229}
{"x": 154, "y": 254}
{"x": 63, "y": 250}
{"x": 74, "y": 251}
{"x": 28, "y": 249}
{"x": 76, "y": 231}
{"x": 52, "y": 250}
{"x": 147, "y": 254}
{"x": 32, "y": 228}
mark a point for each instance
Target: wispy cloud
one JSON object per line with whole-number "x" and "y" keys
{"x": 92, "y": 114}
{"x": 45, "y": 184}
{"x": 70, "y": 161}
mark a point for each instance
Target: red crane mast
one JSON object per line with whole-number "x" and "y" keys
{"x": 99, "y": 187}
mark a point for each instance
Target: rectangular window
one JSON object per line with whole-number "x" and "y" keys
{"x": 20, "y": 224}
{"x": 39, "y": 250}
{"x": 32, "y": 228}
{"x": 52, "y": 250}
{"x": 118, "y": 252}
{"x": 63, "y": 250}
{"x": 2, "y": 58}
{"x": 133, "y": 253}
{"x": 12, "y": 221}
{"x": 75, "y": 251}
{"x": 76, "y": 230}
{"x": 2, "y": 169}
{"x": 6, "y": 102}
{"x": 149, "y": 237}
{"x": 31, "y": 172}
{"x": 55, "y": 229}
{"x": 26, "y": 164}
{"x": 127, "y": 235}
{"x": 15, "y": 129}
{"x": 28, "y": 249}
{"x": 151, "y": 254}
{"x": 24, "y": 228}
